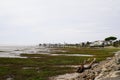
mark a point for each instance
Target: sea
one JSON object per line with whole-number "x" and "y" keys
{"x": 15, "y": 51}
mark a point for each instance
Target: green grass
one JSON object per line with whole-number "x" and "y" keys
{"x": 47, "y": 66}
{"x": 40, "y": 68}
{"x": 98, "y": 52}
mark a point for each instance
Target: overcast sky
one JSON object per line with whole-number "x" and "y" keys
{"x": 58, "y": 21}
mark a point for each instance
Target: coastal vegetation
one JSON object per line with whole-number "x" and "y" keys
{"x": 42, "y": 66}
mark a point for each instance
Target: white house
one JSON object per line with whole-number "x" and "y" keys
{"x": 97, "y": 43}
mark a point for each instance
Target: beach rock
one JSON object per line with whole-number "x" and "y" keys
{"x": 117, "y": 57}
{"x": 111, "y": 69}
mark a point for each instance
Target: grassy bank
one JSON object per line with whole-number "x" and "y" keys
{"x": 99, "y": 53}
{"x": 44, "y": 66}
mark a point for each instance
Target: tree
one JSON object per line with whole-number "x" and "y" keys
{"x": 40, "y": 44}
{"x": 110, "y": 39}
{"x": 116, "y": 44}
{"x": 87, "y": 44}
{"x": 83, "y": 44}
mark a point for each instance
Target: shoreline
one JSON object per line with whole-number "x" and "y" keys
{"x": 108, "y": 69}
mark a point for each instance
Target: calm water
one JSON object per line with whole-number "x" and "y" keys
{"x": 15, "y": 51}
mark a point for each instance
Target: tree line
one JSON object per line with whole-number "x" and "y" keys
{"x": 108, "y": 41}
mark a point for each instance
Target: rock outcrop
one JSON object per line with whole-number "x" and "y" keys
{"x": 111, "y": 69}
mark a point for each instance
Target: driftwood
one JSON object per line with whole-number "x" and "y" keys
{"x": 85, "y": 66}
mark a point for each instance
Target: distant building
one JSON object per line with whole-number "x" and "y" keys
{"x": 97, "y": 44}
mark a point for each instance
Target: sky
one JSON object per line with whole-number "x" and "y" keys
{"x": 57, "y": 21}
